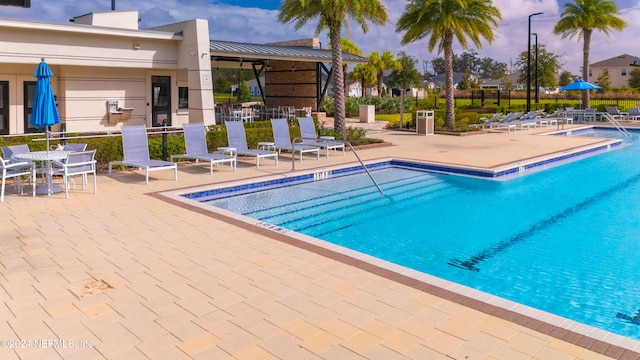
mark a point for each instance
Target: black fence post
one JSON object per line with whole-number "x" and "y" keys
{"x": 165, "y": 153}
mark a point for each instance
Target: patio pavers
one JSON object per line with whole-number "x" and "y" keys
{"x": 184, "y": 285}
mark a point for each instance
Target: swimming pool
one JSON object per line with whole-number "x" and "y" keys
{"x": 562, "y": 240}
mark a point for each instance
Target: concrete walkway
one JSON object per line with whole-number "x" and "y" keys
{"x": 124, "y": 275}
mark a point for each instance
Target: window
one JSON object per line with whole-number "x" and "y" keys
{"x": 183, "y": 98}
{"x": 590, "y": 73}
{"x": 624, "y": 71}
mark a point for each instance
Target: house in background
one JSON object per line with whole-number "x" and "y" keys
{"x": 439, "y": 80}
{"x": 254, "y": 87}
{"x": 619, "y": 69}
{"x": 498, "y": 84}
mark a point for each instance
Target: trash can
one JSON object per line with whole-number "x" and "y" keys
{"x": 367, "y": 113}
{"x": 424, "y": 122}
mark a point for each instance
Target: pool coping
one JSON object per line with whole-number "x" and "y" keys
{"x": 595, "y": 339}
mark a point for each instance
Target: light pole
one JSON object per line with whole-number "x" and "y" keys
{"x": 536, "y": 70}
{"x": 529, "y": 62}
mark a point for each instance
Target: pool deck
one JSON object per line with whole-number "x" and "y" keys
{"x": 123, "y": 274}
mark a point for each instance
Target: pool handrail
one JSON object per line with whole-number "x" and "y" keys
{"x": 299, "y": 138}
{"x": 617, "y": 125}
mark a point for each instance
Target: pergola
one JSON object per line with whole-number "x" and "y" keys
{"x": 281, "y": 62}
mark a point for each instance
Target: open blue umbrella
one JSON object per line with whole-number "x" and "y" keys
{"x": 580, "y": 85}
{"x": 44, "y": 112}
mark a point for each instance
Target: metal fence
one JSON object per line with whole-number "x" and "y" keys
{"x": 508, "y": 98}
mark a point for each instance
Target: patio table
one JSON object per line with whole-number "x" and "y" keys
{"x": 47, "y": 157}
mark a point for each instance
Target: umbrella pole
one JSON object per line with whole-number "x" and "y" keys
{"x": 46, "y": 135}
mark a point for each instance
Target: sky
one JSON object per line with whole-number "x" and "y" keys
{"x": 255, "y": 21}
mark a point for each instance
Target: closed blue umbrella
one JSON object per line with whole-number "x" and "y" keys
{"x": 44, "y": 112}
{"x": 580, "y": 85}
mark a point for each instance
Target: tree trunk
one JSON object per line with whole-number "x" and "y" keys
{"x": 344, "y": 80}
{"x": 447, "y": 44}
{"x": 380, "y": 76}
{"x": 338, "y": 84}
{"x": 586, "y": 49}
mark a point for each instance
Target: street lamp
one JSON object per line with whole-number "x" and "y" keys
{"x": 536, "y": 70}
{"x": 529, "y": 62}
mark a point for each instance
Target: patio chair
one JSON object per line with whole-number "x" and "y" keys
{"x": 589, "y": 115}
{"x": 506, "y": 121}
{"x": 488, "y": 120}
{"x": 613, "y": 111}
{"x": 16, "y": 170}
{"x": 9, "y": 151}
{"x": 238, "y": 140}
{"x": 77, "y": 163}
{"x": 74, "y": 147}
{"x": 196, "y": 148}
{"x": 529, "y": 119}
{"x": 633, "y": 113}
{"x": 308, "y": 131}
{"x": 282, "y": 140}
{"x": 135, "y": 147}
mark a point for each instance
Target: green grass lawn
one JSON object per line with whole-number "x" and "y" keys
{"x": 393, "y": 118}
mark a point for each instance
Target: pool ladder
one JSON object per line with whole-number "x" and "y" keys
{"x": 300, "y": 139}
{"x": 617, "y": 125}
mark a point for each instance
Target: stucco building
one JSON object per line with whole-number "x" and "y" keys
{"x": 109, "y": 73}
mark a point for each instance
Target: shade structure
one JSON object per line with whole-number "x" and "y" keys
{"x": 44, "y": 112}
{"x": 580, "y": 85}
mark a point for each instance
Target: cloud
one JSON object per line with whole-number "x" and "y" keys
{"x": 257, "y": 25}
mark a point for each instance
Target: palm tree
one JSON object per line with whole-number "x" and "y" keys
{"x": 381, "y": 63}
{"x": 350, "y": 47}
{"x": 444, "y": 21}
{"x": 365, "y": 74}
{"x": 332, "y": 15}
{"x": 581, "y": 19}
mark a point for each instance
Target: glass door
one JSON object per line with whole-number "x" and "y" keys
{"x": 161, "y": 100}
{"x": 29, "y": 92}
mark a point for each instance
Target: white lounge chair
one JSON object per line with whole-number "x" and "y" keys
{"x": 487, "y": 121}
{"x": 308, "y": 131}
{"x": 613, "y": 111}
{"x": 196, "y": 148}
{"x": 633, "y": 113}
{"x": 135, "y": 147}
{"x": 238, "y": 140}
{"x": 282, "y": 140}
{"x": 506, "y": 121}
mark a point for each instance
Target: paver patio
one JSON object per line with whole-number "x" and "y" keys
{"x": 124, "y": 275}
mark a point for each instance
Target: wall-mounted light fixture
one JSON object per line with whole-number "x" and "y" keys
{"x": 136, "y": 45}
{"x": 293, "y": 66}
{"x": 204, "y": 54}
{"x": 267, "y": 67}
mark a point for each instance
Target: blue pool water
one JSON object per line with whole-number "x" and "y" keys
{"x": 565, "y": 240}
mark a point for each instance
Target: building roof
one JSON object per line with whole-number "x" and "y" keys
{"x": 17, "y": 25}
{"x": 620, "y": 60}
{"x": 236, "y": 51}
